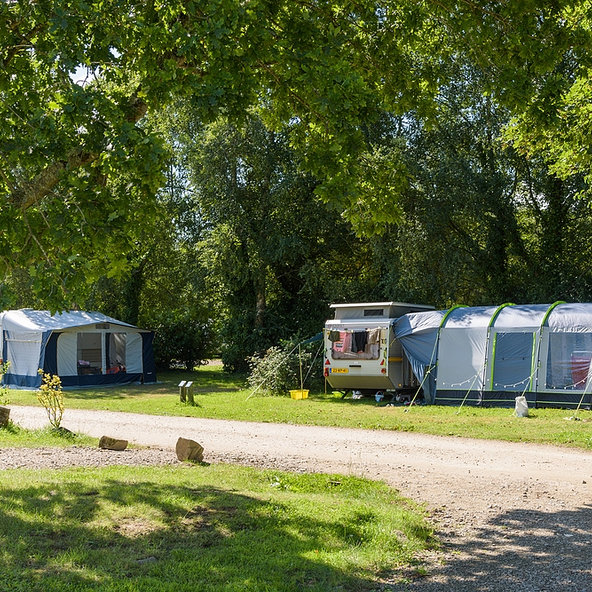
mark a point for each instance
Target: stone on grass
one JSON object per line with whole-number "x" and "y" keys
{"x": 4, "y": 416}
{"x": 189, "y": 450}
{"x": 108, "y": 443}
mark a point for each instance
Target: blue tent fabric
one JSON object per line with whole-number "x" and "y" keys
{"x": 418, "y": 335}
{"x": 317, "y": 337}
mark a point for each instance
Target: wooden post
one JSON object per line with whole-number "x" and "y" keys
{"x": 300, "y": 363}
{"x": 182, "y": 391}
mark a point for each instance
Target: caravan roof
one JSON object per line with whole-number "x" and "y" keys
{"x": 365, "y": 310}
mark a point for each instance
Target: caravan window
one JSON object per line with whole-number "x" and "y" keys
{"x": 568, "y": 360}
{"x": 89, "y": 353}
{"x": 116, "y": 353}
{"x": 355, "y": 345}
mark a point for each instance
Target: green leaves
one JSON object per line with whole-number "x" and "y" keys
{"x": 326, "y": 71}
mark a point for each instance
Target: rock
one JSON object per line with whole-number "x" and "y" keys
{"x": 189, "y": 450}
{"x": 4, "y": 416}
{"x": 108, "y": 443}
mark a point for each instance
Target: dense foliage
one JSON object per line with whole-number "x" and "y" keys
{"x": 242, "y": 164}
{"x": 285, "y": 367}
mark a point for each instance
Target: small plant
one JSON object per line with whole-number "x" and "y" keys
{"x": 51, "y": 397}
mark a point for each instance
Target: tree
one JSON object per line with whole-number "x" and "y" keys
{"x": 483, "y": 224}
{"x": 269, "y": 241}
{"x": 79, "y": 170}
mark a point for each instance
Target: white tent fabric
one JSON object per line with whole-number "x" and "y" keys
{"x": 490, "y": 355}
{"x": 112, "y": 351}
{"x": 67, "y": 349}
{"x": 462, "y": 348}
{"x": 134, "y": 353}
{"x": 22, "y": 349}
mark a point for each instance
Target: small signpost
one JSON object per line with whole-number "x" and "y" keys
{"x": 189, "y": 391}
{"x": 186, "y": 391}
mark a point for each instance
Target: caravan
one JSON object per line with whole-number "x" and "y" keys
{"x": 484, "y": 355}
{"x": 361, "y": 353}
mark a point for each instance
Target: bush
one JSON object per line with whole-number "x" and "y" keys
{"x": 182, "y": 340}
{"x": 52, "y": 398}
{"x": 277, "y": 371}
{"x": 4, "y": 391}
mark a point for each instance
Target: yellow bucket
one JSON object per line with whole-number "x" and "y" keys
{"x": 299, "y": 394}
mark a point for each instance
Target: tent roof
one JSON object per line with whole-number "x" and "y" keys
{"x": 27, "y": 319}
{"x": 571, "y": 317}
{"x": 523, "y": 315}
{"x": 576, "y": 316}
{"x": 418, "y": 322}
{"x": 465, "y": 317}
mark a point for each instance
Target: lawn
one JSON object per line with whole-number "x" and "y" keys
{"x": 223, "y": 396}
{"x": 226, "y": 528}
{"x": 211, "y": 528}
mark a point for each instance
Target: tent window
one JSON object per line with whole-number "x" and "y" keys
{"x": 568, "y": 360}
{"x": 355, "y": 345}
{"x": 89, "y": 353}
{"x": 117, "y": 346}
{"x": 513, "y": 359}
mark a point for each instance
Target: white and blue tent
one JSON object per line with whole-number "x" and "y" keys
{"x": 489, "y": 355}
{"x": 82, "y": 348}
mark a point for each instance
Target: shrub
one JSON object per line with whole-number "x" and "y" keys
{"x": 182, "y": 340}
{"x": 51, "y": 397}
{"x": 4, "y": 391}
{"x": 278, "y": 370}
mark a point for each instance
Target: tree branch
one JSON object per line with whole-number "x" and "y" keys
{"x": 32, "y": 192}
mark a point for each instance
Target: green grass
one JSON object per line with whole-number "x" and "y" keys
{"x": 15, "y": 436}
{"x": 222, "y": 396}
{"x": 199, "y": 527}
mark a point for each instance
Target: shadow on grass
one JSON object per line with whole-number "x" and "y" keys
{"x": 204, "y": 382}
{"x": 118, "y": 536}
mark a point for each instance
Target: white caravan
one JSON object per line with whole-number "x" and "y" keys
{"x": 361, "y": 352}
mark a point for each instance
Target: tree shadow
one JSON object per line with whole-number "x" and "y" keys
{"x": 518, "y": 550}
{"x": 59, "y": 537}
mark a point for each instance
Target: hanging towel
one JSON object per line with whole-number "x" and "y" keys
{"x": 344, "y": 344}
{"x": 359, "y": 341}
{"x": 346, "y": 336}
{"x": 373, "y": 336}
{"x": 334, "y": 336}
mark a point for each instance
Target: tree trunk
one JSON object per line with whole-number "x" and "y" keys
{"x": 260, "y": 290}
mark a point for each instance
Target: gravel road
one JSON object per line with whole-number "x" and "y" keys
{"x": 511, "y": 517}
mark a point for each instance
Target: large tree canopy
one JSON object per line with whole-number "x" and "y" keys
{"x": 79, "y": 171}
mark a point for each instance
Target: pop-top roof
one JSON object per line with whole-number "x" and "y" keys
{"x": 369, "y": 310}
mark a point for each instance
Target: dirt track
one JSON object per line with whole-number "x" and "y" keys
{"x": 511, "y": 516}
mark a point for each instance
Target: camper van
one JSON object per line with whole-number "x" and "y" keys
{"x": 362, "y": 355}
